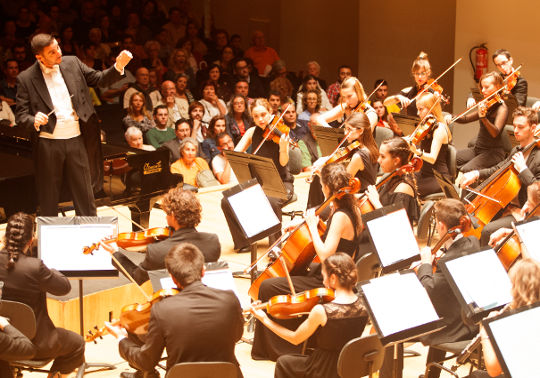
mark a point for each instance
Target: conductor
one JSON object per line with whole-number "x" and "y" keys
{"x": 53, "y": 99}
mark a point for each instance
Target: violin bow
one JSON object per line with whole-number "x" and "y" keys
{"x": 409, "y": 138}
{"x": 434, "y": 81}
{"x": 359, "y": 106}
{"x": 272, "y": 129}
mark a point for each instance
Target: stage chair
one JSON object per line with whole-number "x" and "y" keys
{"x": 360, "y": 357}
{"x": 455, "y": 350}
{"x": 203, "y": 370}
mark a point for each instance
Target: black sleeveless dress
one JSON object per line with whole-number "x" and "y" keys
{"x": 425, "y": 180}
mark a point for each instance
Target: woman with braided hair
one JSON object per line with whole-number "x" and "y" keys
{"x": 27, "y": 280}
{"x": 336, "y": 323}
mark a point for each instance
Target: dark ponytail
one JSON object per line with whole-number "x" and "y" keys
{"x": 19, "y": 231}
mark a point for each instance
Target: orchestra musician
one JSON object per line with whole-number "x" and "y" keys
{"x": 341, "y": 235}
{"x": 197, "y": 324}
{"x": 527, "y": 165}
{"x": 183, "y": 211}
{"x": 28, "y": 280}
{"x": 352, "y": 95}
{"x": 525, "y": 278}
{"x": 433, "y": 148}
{"x": 334, "y": 323}
{"x": 488, "y": 149}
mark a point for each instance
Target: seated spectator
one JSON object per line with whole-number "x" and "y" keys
{"x": 95, "y": 36}
{"x": 312, "y": 106}
{"x": 161, "y": 133}
{"x": 128, "y": 43}
{"x": 66, "y": 42}
{"x": 153, "y": 61}
{"x": 255, "y": 86}
{"x": 382, "y": 93}
{"x": 213, "y": 74}
{"x": 311, "y": 83}
{"x": 309, "y": 148}
{"x": 182, "y": 129}
{"x": 262, "y": 56}
{"x": 88, "y": 57}
{"x": 21, "y": 56}
{"x": 290, "y": 119}
{"x": 137, "y": 114}
{"x": 113, "y": 93}
{"x": 189, "y": 165}
{"x": 199, "y": 50}
{"x": 236, "y": 44}
{"x": 141, "y": 85}
{"x": 385, "y": 119}
{"x": 182, "y": 91}
{"x": 208, "y": 145}
{"x": 187, "y": 46}
{"x": 220, "y": 164}
{"x": 334, "y": 89}
{"x": 140, "y": 32}
{"x": 213, "y": 105}
{"x": 282, "y": 81}
{"x": 241, "y": 88}
{"x": 151, "y": 16}
{"x": 177, "y": 107}
{"x": 134, "y": 139}
{"x": 6, "y": 114}
{"x": 238, "y": 119}
{"x": 176, "y": 27}
{"x": 220, "y": 39}
{"x": 178, "y": 64}
{"x": 275, "y": 102}
{"x": 226, "y": 60}
{"x": 8, "y": 85}
{"x": 199, "y": 127}
{"x": 314, "y": 69}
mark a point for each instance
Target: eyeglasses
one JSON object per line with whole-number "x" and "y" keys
{"x": 502, "y": 63}
{"x": 420, "y": 74}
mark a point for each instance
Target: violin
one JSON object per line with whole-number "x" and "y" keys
{"x": 289, "y": 306}
{"x": 133, "y": 239}
{"x": 340, "y": 154}
{"x": 275, "y": 130}
{"x": 134, "y": 317}
{"x": 511, "y": 80}
{"x": 424, "y": 128}
{"x": 436, "y": 88}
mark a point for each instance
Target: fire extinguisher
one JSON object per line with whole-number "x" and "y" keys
{"x": 481, "y": 60}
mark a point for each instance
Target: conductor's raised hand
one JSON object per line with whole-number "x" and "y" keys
{"x": 40, "y": 119}
{"x": 123, "y": 59}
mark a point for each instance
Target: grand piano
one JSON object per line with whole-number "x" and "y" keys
{"x": 131, "y": 177}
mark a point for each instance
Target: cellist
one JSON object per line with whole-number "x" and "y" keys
{"x": 527, "y": 166}
{"x": 341, "y": 234}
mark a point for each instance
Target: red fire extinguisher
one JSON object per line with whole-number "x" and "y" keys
{"x": 480, "y": 65}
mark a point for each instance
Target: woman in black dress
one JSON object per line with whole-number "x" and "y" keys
{"x": 336, "y": 323}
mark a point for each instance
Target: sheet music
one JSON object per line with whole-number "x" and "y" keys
{"x": 253, "y": 210}
{"x": 481, "y": 279}
{"x": 518, "y": 339}
{"x": 399, "y": 302}
{"x": 529, "y": 235}
{"x": 61, "y": 246}
{"x": 393, "y": 237}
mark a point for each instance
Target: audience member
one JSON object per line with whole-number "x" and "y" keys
{"x": 134, "y": 139}
{"x": 311, "y": 83}
{"x": 24, "y": 23}
{"x": 275, "y": 102}
{"x": 182, "y": 129}
{"x": 178, "y": 64}
{"x": 160, "y": 133}
{"x": 128, "y": 43}
{"x": 177, "y": 107}
{"x": 220, "y": 164}
{"x": 382, "y": 93}
{"x": 238, "y": 119}
{"x": 68, "y": 45}
{"x": 208, "y": 145}
{"x": 140, "y": 33}
{"x": 151, "y": 16}
{"x": 314, "y": 69}
{"x": 241, "y": 71}
{"x": 220, "y": 39}
{"x": 21, "y": 56}
{"x": 189, "y": 165}
{"x": 281, "y": 80}
{"x": 213, "y": 105}
{"x": 176, "y": 27}
{"x": 220, "y": 81}
{"x": 385, "y": 119}
{"x": 137, "y": 115}
{"x": 236, "y": 44}
{"x": 88, "y": 57}
{"x": 154, "y": 62}
{"x": 226, "y": 60}
{"x": 334, "y": 89}
{"x": 241, "y": 88}
{"x": 6, "y": 114}
{"x": 297, "y": 128}
{"x": 141, "y": 85}
{"x": 198, "y": 125}
{"x": 111, "y": 94}
{"x": 261, "y": 55}
{"x": 8, "y": 85}
{"x": 199, "y": 48}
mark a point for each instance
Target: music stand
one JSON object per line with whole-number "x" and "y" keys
{"x": 479, "y": 282}
{"x": 446, "y": 185}
{"x": 515, "y": 337}
{"x": 328, "y": 138}
{"x": 60, "y": 245}
{"x": 400, "y": 250}
{"x": 527, "y": 231}
{"x": 406, "y": 123}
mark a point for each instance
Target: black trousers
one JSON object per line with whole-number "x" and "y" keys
{"x": 59, "y": 161}
{"x": 471, "y": 159}
{"x": 493, "y": 226}
{"x": 68, "y": 352}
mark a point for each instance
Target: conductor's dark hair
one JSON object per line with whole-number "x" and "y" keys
{"x": 343, "y": 267}
{"x": 40, "y": 41}
{"x": 19, "y": 231}
{"x": 185, "y": 263}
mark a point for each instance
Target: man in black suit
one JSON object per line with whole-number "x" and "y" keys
{"x": 198, "y": 324}
{"x": 449, "y": 214}
{"x": 182, "y": 129}
{"x": 53, "y": 98}
{"x": 183, "y": 215}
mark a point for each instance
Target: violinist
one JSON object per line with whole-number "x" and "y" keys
{"x": 525, "y": 163}
{"x": 27, "y": 280}
{"x": 448, "y": 213}
{"x": 183, "y": 215}
{"x": 505, "y": 64}
{"x": 352, "y": 96}
{"x": 488, "y": 149}
{"x": 340, "y": 321}
{"x": 525, "y": 278}
{"x": 197, "y": 324}
{"x": 421, "y": 72}
{"x": 393, "y": 154}
{"x": 341, "y": 235}
{"x": 433, "y": 148}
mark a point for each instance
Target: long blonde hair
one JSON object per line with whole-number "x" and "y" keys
{"x": 356, "y": 85}
{"x": 525, "y": 277}
{"x": 432, "y": 102}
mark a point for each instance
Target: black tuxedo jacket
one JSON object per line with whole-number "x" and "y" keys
{"x": 198, "y": 324}
{"x": 443, "y": 298}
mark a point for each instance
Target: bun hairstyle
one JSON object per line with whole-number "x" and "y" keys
{"x": 19, "y": 231}
{"x": 397, "y": 147}
{"x": 343, "y": 266}
{"x": 421, "y": 63}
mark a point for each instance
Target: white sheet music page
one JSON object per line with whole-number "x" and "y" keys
{"x": 481, "y": 279}
{"x": 61, "y": 246}
{"x": 399, "y": 302}
{"x": 393, "y": 237}
{"x": 530, "y": 236}
{"x": 253, "y": 209}
{"x": 518, "y": 339}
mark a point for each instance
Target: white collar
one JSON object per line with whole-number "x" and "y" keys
{"x": 47, "y": 70}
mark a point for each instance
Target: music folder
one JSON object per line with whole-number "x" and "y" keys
{"x": 515, "y": 337}
{"x": 406, "y": 122}
{"x": 399, "y": 307}
{"x": 479, "y": 282}
{"x": 528, "y": 234}
{"x": 328, "y": 138}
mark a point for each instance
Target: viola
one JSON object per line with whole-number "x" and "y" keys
{"x": 289, "y": 306}
{"x": 298, "y": 251}
{"x": 134, "y": 317}
{"x": 133, "y": 239}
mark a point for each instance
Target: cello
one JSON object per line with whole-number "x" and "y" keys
{"x": 298, "y": 251}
